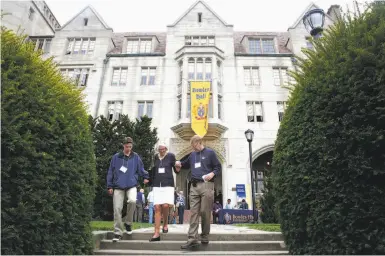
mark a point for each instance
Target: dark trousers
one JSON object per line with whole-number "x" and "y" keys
{"x": 215, "y": 216}
{"x": 181, "y": 213}
{"x": 138, "y": 214}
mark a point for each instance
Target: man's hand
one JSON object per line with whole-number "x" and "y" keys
{"x": 110, "y": 191}
{"x": 209, "y": 176}
{"x": 145, "y": 181}
{"x": 178, "y": 166}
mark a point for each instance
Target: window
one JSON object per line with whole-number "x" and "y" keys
{"x": 254, "y": 111}
{"x": 119, "y": 76}
{"x": 200, "y": 69}
{"x": 77, "y": 75}
{"x": 309, "y": 43}
{"x": 42, "y": 44}
{"x": 220, "y": 105}
{"x": 251, "y": 75}
{"x": 139, "y": 46}
{"x": 114, "y": 110}
{"x": 280, "y": 76}
{"x": 200, "y": 40}
{"x": 199, "y": 17}
{"x": 219, "y": 69}
{"x": 281, "y": 105}
{"x": 145, "y": 108}
{"x": 80, "y": 46}
{"x": 180, "y": 72}
{"x": 179, "y": 107}
{"x": 148, "y": 76}
{"x": 31, "y": 13}
{"x": 208, "y": 69}
{"x": 85, "y": 21}
{"x": 260, "y": 46}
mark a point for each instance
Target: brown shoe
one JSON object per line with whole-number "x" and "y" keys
{"x": 204, "y": 240}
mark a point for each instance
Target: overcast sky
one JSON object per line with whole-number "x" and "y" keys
{"x": 155, "y": 15}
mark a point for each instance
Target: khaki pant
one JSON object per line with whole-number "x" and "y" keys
{"x": 118, "y": 199}
{"x": 201, "y": 203}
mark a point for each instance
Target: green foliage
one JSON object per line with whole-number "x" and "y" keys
{"x": 329, "y": 161}
{"x": 268, "y": 214}
{"x": 108, "y": 137}
{"x": 47, "y": 159}
{"x": 109, "y": 225}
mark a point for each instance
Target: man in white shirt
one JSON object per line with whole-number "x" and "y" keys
{"x": 150, "y": 200}
{"x": 228, "y": 205}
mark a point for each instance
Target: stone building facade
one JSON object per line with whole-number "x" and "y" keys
{"x": 147, "y": 74}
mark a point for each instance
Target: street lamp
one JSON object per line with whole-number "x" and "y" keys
{"x": 314, "y": 21}
{"x": 249, "y": 134}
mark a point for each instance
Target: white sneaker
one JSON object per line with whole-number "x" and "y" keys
{"x": 116, "y": 238}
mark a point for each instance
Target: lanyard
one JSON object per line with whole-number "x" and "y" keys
{"x": 133, "y": 163}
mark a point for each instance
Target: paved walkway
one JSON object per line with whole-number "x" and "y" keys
{"x": 215, "y": 229}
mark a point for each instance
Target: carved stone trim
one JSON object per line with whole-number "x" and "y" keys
{"x": 182, "y": 147}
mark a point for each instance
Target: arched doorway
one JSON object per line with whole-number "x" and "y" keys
{"x": 262, "y": 167}
{"x": 182, "y": 182}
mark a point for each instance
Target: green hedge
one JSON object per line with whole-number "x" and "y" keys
{"x": 47, "y": 158}
{"x": 329, "y": 161}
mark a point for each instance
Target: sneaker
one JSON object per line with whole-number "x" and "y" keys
{"x": 128, "y": 229}
{"x": 190, "y": 245}
{"x": 116, "y": 238}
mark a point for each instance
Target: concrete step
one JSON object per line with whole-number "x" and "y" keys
{"x": 273, "y": 236}
{"x": 150, "y": 252}
{"x": 175, "y": 245}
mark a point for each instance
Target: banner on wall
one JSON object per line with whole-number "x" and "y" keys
{"x": 241, "y": 192}
{"x": 200, "y": 99}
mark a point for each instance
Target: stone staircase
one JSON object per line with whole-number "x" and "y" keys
{"x": 224, "y": 240}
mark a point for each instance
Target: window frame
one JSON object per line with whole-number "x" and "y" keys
{"x": 139, "y": 45}
{"x": 71, "y": 44}
{"x": 115, "y": 110}
{"x": 281, "y": 77}
{"x": 255, "y": 116}
{"x": 78, "y": 81}
{"x": 147, "y": 70}
{"x": 261, "y": 45}
{"x": 249, "y": 70}
{"x": 145, "y": 108}
{"x": 119, "y": 82}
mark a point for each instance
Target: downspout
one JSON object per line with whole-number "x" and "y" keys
{"x": 105, "y": 63}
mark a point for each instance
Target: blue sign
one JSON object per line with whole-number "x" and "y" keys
{"x": 231, "y": 216}
{"x": 241, "y": 191}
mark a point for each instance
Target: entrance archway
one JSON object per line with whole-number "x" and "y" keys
{"x": 262, "y": 166}
{"x": 183, "y": 184}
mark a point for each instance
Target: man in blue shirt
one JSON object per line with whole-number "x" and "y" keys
{"x": 205, "y": 167}
{"x": 122, "y": 179}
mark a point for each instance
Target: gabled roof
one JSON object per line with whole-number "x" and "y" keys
{"x": 311, "y": 6}
{"x": 192, "y": 7}
{"x": 96, "y": 14}
{"x": 239, "y": 47}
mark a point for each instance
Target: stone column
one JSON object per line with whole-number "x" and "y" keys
{"x": 214, "y": 88}
{"x": 184, "y": 88}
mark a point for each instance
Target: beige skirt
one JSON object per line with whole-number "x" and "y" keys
{"x": 163, "y": 195}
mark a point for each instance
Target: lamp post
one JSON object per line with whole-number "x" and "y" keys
{"x": 314, "y": 21}
{"x": 249, "y": 134}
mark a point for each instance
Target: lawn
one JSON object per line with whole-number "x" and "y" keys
{"x": 264, "y": 227}
{"x": 109, "y": 225}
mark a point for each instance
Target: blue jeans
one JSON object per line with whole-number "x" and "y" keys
{"x": 150, "y": 212}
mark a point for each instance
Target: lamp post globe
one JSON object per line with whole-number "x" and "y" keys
{"x": 314, "y": 21}
{"x": 249, "y": 134}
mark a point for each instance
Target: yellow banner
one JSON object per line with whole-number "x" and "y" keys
{"x": 200, "y": 99}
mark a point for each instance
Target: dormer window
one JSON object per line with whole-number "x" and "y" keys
{"x": 261, "y": 45}
{"x": 139, "y": 45}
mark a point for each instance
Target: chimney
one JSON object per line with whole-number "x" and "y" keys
{"x": 334, "y": 11}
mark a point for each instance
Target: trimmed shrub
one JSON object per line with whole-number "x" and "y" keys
{"x": 47, "y": 158}
{"x": 329, "y": 161}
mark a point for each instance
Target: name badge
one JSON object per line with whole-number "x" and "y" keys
{"x": 161, "y": 170}
{"x": 123, "y": 169}
{"x": 198, "y": 165}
